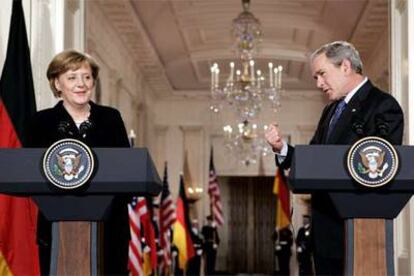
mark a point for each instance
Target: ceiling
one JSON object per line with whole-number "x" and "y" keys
{"x": 174, "y": 42}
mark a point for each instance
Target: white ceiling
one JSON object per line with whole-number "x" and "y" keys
{"x": 174, "y": 42}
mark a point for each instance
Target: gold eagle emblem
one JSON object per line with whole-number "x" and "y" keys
{"x": 69, "y": 165}
{"x": 372, "y": 158}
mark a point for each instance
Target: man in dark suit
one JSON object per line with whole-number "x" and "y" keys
{"x": 211, "y": 242}
{"x": 284, "y": 250}
{"x": 194, "y": 264}
{"x": 304, "y": 247}
{"x": 357, "y": 109}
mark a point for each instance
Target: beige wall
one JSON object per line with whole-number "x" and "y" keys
{"x": 402, "y": 77}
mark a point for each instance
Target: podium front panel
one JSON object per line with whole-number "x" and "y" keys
{"x": 119, "y": 171}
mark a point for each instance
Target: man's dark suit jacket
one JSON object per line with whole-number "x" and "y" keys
{"x": 371, "y": 111}
{"x": 105, "y": 129}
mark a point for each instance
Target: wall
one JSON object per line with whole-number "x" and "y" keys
{"x": 122, "y": 84}
{"x": 402, "y": 76}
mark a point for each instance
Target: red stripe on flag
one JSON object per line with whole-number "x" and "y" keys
{"x": 8, "y": 136}
{"x": 284, "y": 196}
{"x": 167, "y": 219}
{"x": 214, "y": 193}
{"x": 135, "y": 262}
{"x": 283, "y": 200}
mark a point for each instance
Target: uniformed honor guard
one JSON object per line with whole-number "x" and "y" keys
{"x": 275, "y": 239}
{"x": 284, "y": 250}
{"x": 194, "y": 264}
{"x": 211, "y": 242}
{"x": 304, "y": 248}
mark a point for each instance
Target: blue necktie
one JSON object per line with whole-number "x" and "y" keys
{"x": 338, "y": 111}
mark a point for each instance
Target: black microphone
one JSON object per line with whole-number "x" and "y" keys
{"x": 85, "y": 127}
{"x": 358, "y": 126}
{"x": 64, "y": 128}
{"x": 381, "y": 125}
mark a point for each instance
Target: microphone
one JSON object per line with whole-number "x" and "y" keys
{"x": 64, "y": 128}
{"x": 358, "y": 126}
{"x": 381, "y": 125}
{"x": 85, "y": 127}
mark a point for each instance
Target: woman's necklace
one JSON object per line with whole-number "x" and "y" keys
{"x": 79, "y": 115}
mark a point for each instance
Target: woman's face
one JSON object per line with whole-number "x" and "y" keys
{"x": 76, "y": 86}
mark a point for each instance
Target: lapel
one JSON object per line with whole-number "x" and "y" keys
{"x": 344, "y": 124}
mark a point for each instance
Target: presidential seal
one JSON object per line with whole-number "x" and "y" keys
{"x": 68, "y": 164}
{"x": 372, "y": 162}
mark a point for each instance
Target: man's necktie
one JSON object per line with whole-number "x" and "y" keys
{"x": 338, "y": 111}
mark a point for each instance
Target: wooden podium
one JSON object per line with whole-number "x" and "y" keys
{"x": 76, "y": 213}
{"x": 368, "y": 212}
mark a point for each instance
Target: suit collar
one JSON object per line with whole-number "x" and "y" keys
{"x": 362, "y": 93}
{"x": 352, "y": 93}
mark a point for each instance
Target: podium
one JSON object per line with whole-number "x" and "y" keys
{"x": 75, "y": 213}
{"x": 367, "y": 212}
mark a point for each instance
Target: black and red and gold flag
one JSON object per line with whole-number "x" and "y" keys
{"x": 281, "y": 190}
{"x": 18, "y": 215}
{"x": 181, "y": 233}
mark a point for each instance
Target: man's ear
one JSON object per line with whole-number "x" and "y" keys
{"x": 346, "y": 65}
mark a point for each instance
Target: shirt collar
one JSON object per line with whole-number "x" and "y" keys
{"x": 353, "y": 91}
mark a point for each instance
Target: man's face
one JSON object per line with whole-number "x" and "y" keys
{"x": 331, "y": 79}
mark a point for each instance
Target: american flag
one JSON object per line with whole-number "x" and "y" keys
{"x": 147, "y": 226}
{"x": 136, "y": 209}
{"x": 214, "y": 192}
{"x": 167, "y": 219}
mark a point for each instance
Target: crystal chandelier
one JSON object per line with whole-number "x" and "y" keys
{"x": 246, "y": 89}
{"x": 247, "y": 141}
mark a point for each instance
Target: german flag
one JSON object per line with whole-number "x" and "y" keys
{"x": 18, "y": 216}
{"x": 181, "y": 235}
{"x": 281, "y": 190}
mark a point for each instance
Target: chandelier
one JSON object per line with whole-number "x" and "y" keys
{"x": 246, "y": 141}
{"x": 246, "y": 88}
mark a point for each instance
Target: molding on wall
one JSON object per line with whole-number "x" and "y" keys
{"x": 124, "y": 19}
{"x": 161, "y": 129}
